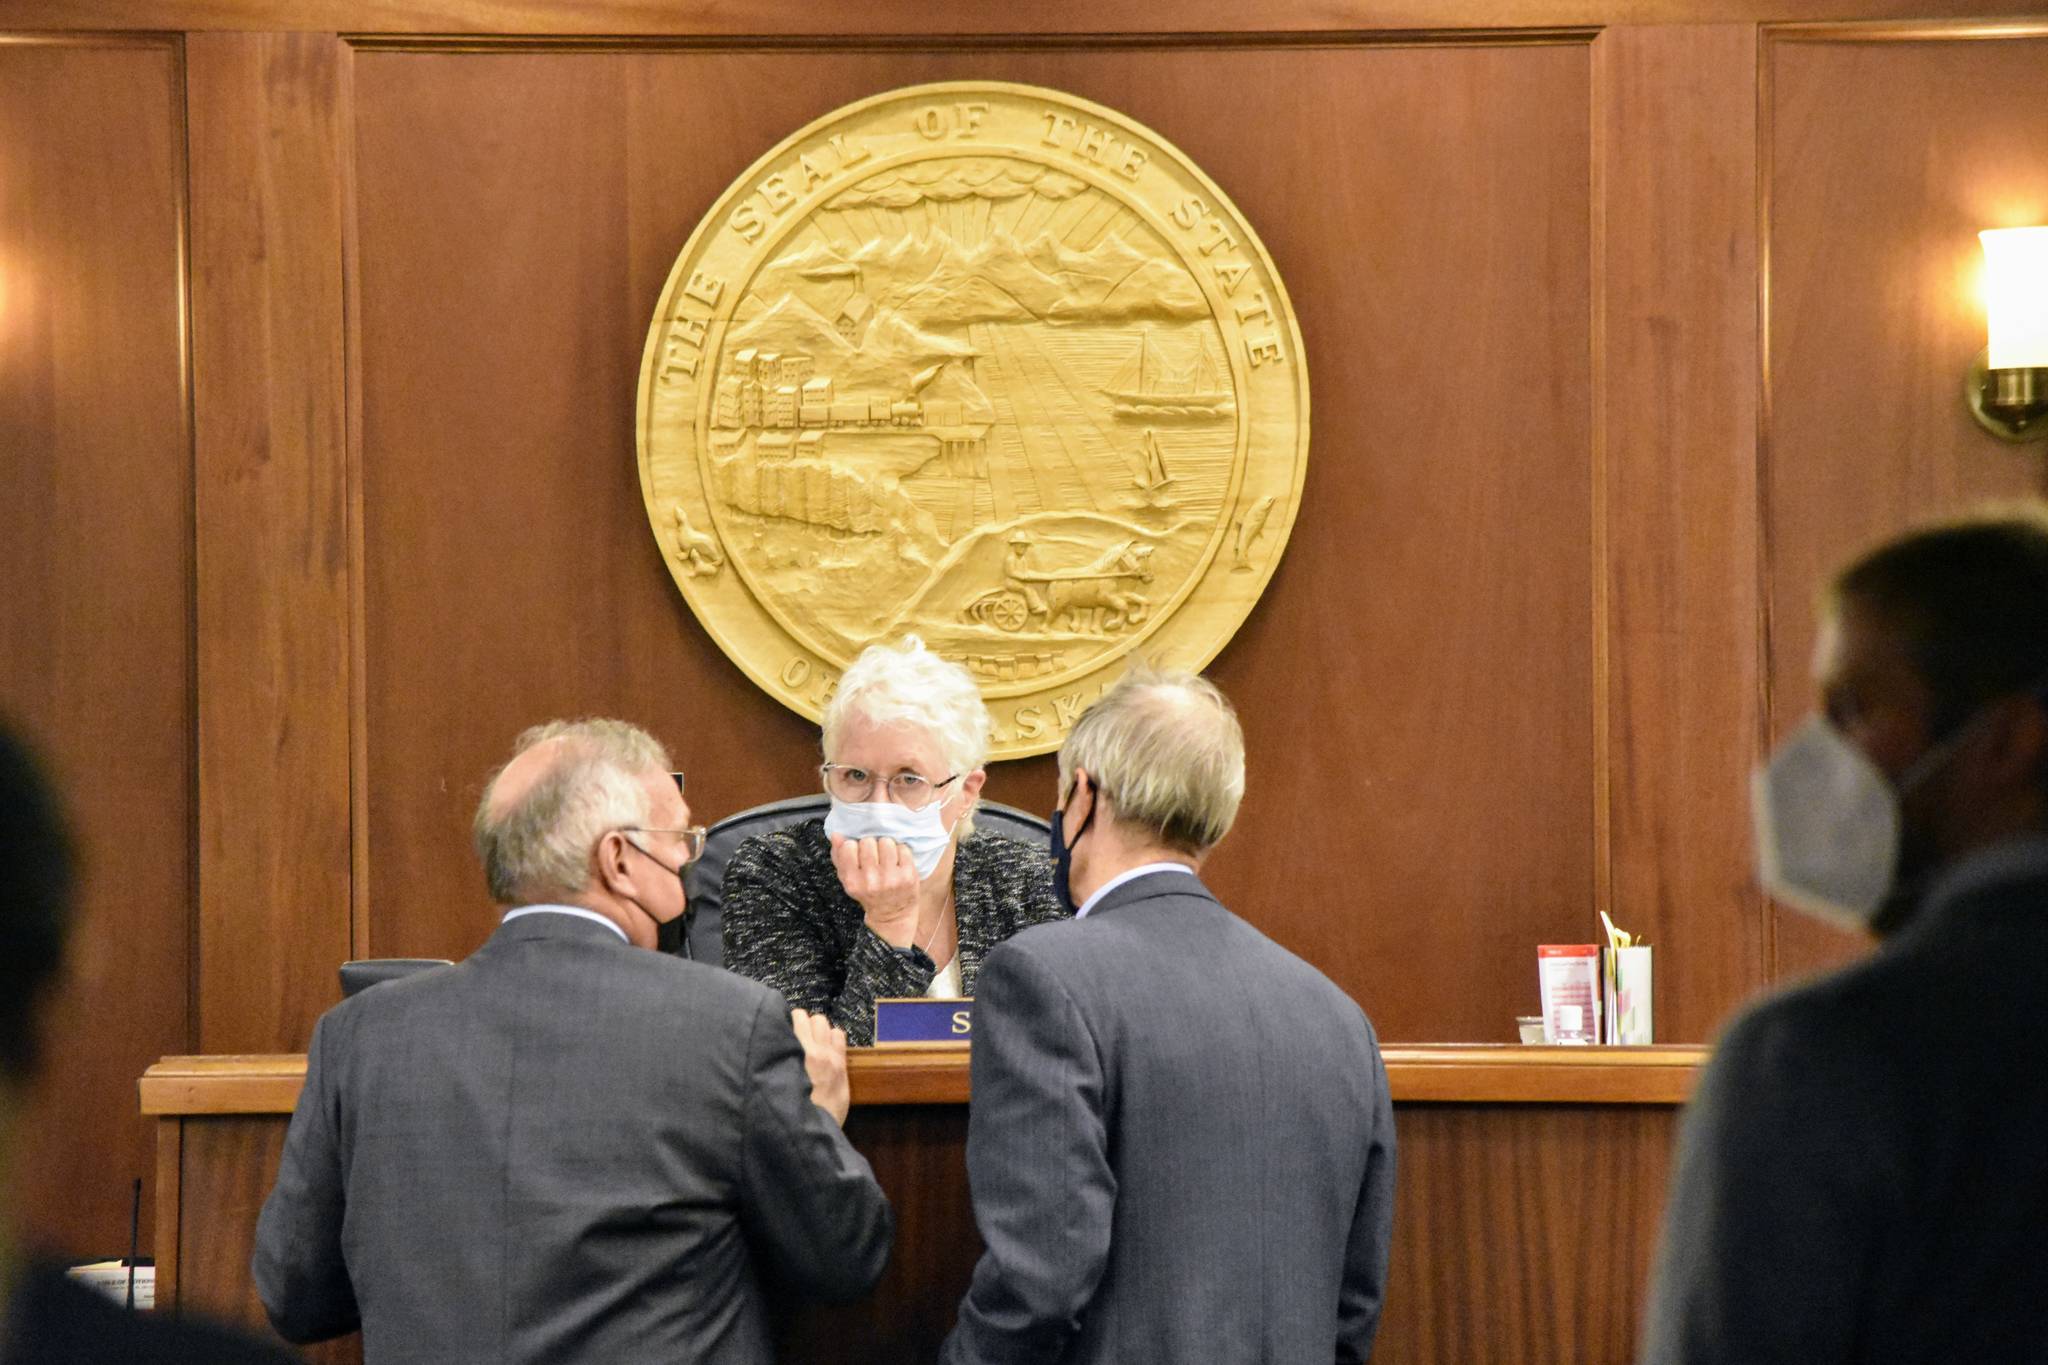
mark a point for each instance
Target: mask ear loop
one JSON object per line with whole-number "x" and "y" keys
{"x": 1931, "y": 762}
{"x": 1094, "y": 800}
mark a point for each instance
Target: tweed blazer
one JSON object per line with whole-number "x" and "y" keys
{"x": 1181, "y": 1146}
{"x": 789, "y": 924}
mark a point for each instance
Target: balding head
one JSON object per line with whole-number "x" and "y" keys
{"x": 1165, "y": 752}
{"x": 567, "y": 784}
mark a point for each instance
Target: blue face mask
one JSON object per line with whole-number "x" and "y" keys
{"x": 1063, "y": 855}
{"x": 922, "y": 832}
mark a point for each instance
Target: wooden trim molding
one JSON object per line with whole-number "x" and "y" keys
{"x": 842, "y": 19}
{"x": 265, "y": 1083}
{"x": 1441, "y": 1073}
{"x": 170, "y": 1171}
{"x": 1453, "y": 1073}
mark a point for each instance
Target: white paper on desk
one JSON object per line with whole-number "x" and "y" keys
{"x": 111, "y": 1279}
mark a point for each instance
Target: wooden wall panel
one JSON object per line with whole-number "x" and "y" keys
{"x": 1678, "y": 507}
{"x": 1887, "y": 156}
{"x": 1523, "y": 1233}
{"x": 95, "y": 580}
{"x": 1431, "y": 624}
{"x": 1416, "y": 683}
{"x": 1108, "y": 19}
{"x": 1547, "y": 600}
{"x": 273, "y": 719}
{"x": 227, "y": 1166}
{"x": 1546, "y": 1215}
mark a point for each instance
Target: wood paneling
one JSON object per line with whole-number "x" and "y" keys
{"x": 1523, "y": 1235}
{"x": 1415, "y": 686}
{"x": 95, "y": 580}
{"x": 1523, "y": 1231}
{"x": 272, "y": 532}
{"x": 926, "y": 1075}
{"x": 1886, "y": 159}
{"x": 1547, "y": 599}
{"x": 518, "y": 213}
{"x": 1305, "y": 19}
{"x": 1678, "y": 506}
{"x": 919, "y": 1156}
{"x": 228, "y": 1165}
{"x": 170, "y": 1167}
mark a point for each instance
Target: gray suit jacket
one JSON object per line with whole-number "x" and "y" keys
{"x": 1180, "y": 1145}
{"x": 561, "y": 1149}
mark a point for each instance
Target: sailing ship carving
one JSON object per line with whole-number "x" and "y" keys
{"x": 1151, "y": 385}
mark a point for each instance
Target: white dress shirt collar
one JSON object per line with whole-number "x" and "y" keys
{"x": 578, "y": 911}
{"x": 1129, "y": 875}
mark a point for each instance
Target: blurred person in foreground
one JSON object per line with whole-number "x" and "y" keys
{"x": 1181, "y": 1147}
{"x": 46, "y": 1318}
{"x": 569, "y": 1147}
{"x": 894, "y": 892}
{"x": 1863, "y": 1173}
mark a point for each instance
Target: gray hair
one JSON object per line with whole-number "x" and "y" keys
{"x": 1167, "y": 755}
{"x": 539, "y": 846}
{"x": 907, "y": 684}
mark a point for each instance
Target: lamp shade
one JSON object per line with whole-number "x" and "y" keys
{"x": 2016, "y": 296}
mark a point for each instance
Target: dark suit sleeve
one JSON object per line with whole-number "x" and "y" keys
{"x": 1038, "y": 1164}
{"x": 809, "y": 1201}
{"x": 1372, "y": 1230}
{"x": 1776, "y": 1201}
{"x": 297, "y": 1264}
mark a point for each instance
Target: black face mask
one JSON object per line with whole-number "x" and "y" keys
{"x": 672, "y": 936}
{"x": 1063, "y": 854}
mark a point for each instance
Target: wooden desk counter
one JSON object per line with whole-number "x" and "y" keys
{"x": 1454, "y": 1073}
{"x": 1531, "y": 1183}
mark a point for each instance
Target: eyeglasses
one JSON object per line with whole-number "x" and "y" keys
{"x": 679, "y": 784}
{"x": 692, "y": 837}
{"x": 908, "y": 790}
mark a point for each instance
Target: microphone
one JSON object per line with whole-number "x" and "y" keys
{"x": 134, "y": 1239}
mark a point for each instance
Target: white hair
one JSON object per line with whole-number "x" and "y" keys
{"x": 906, "y": 684}
{"x": 539, "y": 846}
{"x": 1165, "y": 752}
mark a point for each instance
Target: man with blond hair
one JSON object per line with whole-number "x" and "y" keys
{"x": 565, "y": 1148}
{"x": 1181, "y": 1147}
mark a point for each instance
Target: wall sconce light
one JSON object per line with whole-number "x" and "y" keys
{"x": 2008, "y": 385}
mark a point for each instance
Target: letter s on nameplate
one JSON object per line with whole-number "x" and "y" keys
{"x": 921, "y": 1021}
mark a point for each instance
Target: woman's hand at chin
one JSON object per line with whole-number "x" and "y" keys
{"x": 882, "y": 879}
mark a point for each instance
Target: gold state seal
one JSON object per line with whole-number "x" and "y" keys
{"x": 988, "y": 363}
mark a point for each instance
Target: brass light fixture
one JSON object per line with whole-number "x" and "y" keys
{"x": 2008, "y": 385}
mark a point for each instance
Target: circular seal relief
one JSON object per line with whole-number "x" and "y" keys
{"x": 985, "y": 363}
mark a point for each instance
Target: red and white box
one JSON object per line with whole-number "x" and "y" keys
{"x": 1568, "y": 975}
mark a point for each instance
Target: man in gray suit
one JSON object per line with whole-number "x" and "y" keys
{"x": 1181, "y": 1146}
{"x": 566, "y": 1148}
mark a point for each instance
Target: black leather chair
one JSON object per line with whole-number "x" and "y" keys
{"x": 705, "y": 878}
{"x": 371, "y": 971}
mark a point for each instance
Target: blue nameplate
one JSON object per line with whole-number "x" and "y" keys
{"x": 923, "y": 1020}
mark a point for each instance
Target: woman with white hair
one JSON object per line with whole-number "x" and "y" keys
{"x": 893, "y": 893}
